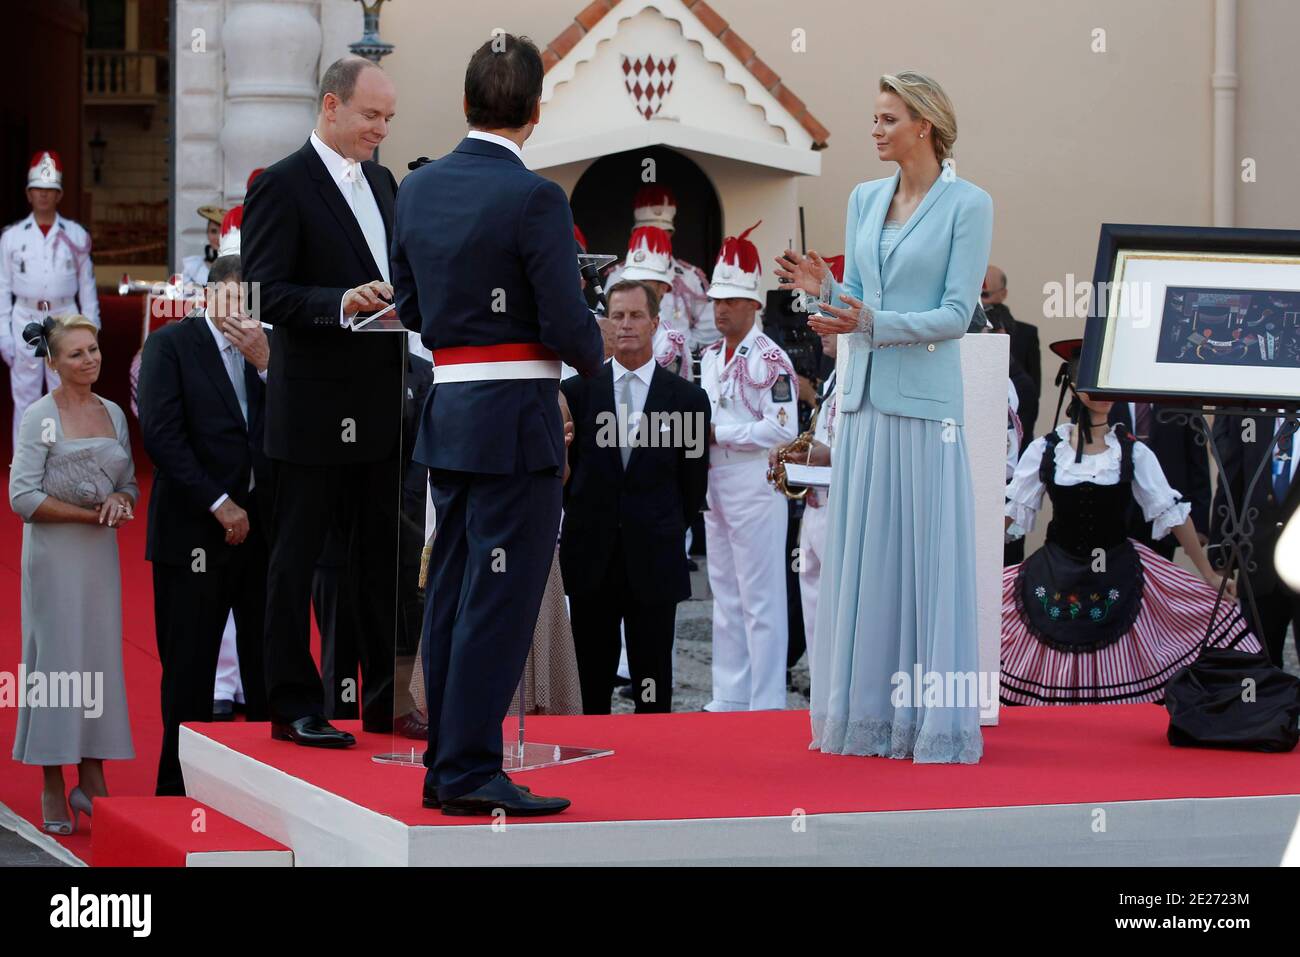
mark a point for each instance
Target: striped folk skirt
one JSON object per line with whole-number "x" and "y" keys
{"x": 1166, "y": 636}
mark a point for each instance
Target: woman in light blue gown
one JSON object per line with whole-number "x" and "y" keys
{"x": 895, "y": 664}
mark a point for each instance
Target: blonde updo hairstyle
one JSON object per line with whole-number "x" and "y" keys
{"x": 62, "y": 326}
{"x": 925, "y": 100}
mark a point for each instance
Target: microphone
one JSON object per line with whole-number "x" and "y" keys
{"x": 594, "y": 291}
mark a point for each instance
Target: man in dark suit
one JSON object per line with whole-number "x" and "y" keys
{"x": 1025, "y": 354}
{"x": 202, "y": 400}
{"x": 315, "y": 238}
{"x": 628, "y": 504}
{"x": 1242, "y": 445}
{"x": 484, "y": 267}
{"x": 1185, "y": 463}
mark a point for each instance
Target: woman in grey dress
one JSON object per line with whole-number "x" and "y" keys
{"x": 895, "y": 664}
{"x": 73, "y": 484}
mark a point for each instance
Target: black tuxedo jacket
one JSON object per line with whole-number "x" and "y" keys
{"x": 1025, "y": 353}
{"x": 201, "y": 446}
{"x": 333, "y": 396}
{"x": 1240, "y": 460}
{"x": 649, "y": 506}
{"x": 1186, "y": 465}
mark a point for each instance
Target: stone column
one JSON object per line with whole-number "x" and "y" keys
{"x": 198, "y": 111}
{"x": 272, "y": 50}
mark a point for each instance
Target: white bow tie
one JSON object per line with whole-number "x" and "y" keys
{"x": 351, "y": 171}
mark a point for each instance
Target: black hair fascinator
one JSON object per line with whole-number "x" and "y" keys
{"x": 37, "y": 335}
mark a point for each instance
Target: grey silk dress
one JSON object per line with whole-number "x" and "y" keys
{"x": 71, "y": 600}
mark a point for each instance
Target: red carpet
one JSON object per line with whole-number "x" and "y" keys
{"x": 159, "y": 832}
{"x": 677, "y": 766}
{"x": 696, "y": 765}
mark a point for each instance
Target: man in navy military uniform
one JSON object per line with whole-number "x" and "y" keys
{"x": 483, "y": 268}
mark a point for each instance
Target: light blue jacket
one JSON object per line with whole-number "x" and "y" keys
{"x": 923, "y": 295}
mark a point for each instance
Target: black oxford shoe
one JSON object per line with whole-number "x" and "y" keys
{"x": 500, "y": 793}
{"x": 430, "y": 795}
{"x": 312, "y": 731}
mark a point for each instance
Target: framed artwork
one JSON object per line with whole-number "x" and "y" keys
{"x": 1196, "y": 314}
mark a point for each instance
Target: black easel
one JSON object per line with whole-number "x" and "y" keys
{"x": 1238, "y": 519}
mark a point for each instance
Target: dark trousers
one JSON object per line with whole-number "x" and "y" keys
{"x": 191, "y": 605}
{"x": 488, "y": 566}
{"x": 595, "y": 616}
{"x": 334, "y": 600}
{"x": 309, "y": 501}
{"x": 1277, "y": 609}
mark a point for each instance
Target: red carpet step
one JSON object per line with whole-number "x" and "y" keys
{"x": 176, "y": 832}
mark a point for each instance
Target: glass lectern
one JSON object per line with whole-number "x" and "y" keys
{"x": 410, "y": 717}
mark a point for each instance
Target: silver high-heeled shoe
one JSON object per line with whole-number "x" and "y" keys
{"x": 60, "y": 828}
{"x": 80, "y": 803}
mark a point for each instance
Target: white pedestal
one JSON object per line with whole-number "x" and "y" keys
{"x": 984, "y": 381}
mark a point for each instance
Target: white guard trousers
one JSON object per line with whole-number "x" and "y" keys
{"x": 745, "y": 529}
{"x": 29, "y": 377}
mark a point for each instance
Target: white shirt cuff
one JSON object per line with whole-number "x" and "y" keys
{"x": 218, "y": 503}
{"x": 261, "y": 374}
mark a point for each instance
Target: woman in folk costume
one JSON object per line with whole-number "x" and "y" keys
{"x": 898, "y": 575}
{"x": 194, "y": 269}
{"x": 1093, "y": 617}
{"x": 650, "y": 259}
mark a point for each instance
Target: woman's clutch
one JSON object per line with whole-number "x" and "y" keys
{"x": 76, "y": 478}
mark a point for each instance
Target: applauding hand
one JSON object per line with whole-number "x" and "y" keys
{"x": 837, "y": 320}
{"x": 796, "y": 271}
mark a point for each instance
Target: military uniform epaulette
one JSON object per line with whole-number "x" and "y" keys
{"x": 717, "y": 346}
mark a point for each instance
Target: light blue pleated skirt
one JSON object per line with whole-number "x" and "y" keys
{"x": 897, "y": 600}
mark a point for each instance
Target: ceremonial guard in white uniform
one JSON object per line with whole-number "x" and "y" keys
{"x": 650, "y": 259}
{"x": 45, "y": 270}
{"x": 812, "y": 528}
{"x": 656, "y": 206}
{"x": 751, "y": 387}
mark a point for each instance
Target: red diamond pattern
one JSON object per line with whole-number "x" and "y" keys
{"x": 648, "y": 80}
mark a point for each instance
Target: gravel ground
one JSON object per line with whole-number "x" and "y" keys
{"x": 693, "y": 651}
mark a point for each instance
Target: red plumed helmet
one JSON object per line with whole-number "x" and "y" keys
{"x": 230, "y": 227}
{"x": 649, "y": 255}
{"x": 654, "y": 205}
{"x": 45, "y": 171}
{"x": 737, "y": 272}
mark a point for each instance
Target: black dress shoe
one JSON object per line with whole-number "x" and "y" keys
{"x": 501, "y": 793}
{"x": 430, "y": 795}
{"x": 413, "y": 724}
{"x": 223, "y": 709}
{"x": 312, "y": 731}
